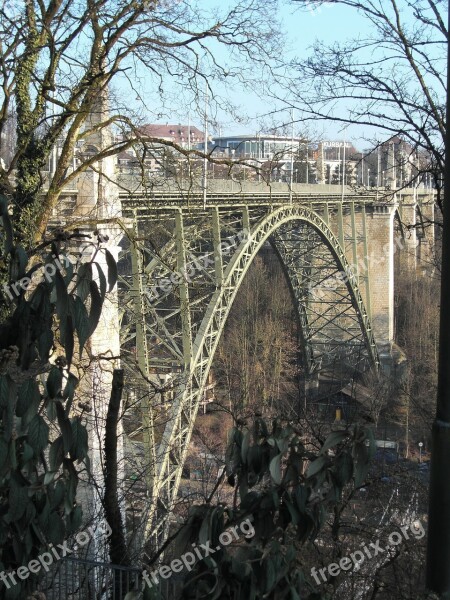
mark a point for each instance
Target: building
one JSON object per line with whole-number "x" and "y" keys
{"x": 155, "y": 157}
{"x": 258, "y": 147}
{"x": 275, "y": 155}
{"x": 395, "y": 164}
{"x": 392, "y": 164}
{"x": 333, "y": 159}
{"x": 186, "y": 136}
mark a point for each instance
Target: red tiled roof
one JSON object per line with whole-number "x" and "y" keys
{"x": 176, "y": 133}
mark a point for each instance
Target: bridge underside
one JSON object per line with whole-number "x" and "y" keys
{"x": 179, "y": 277}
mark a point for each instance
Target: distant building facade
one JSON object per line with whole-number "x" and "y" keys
{"x": 186, "y": 136}
{"x": 157, "y": 158}
{"x": 392, "y": 164}
{"x": 258, "y": 147}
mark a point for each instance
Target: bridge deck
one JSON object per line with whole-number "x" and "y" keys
{"x": 142, "y": 202}
{"x": 227, "y": 194}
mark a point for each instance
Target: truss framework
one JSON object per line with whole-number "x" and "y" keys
{"x": 179, "y": 279}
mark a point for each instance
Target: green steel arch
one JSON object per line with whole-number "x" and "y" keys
{"x": 335, "y": 325}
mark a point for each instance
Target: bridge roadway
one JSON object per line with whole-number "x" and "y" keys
{"x": 235, "y": 193}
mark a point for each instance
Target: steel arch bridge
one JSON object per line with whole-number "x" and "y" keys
{"x": 180, "y": 275}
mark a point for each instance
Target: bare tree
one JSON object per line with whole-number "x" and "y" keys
{"x": 57, "y": 58}
{"x": 389, "y": 80}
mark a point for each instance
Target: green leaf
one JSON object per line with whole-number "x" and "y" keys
{"x": 301, "y": 497}
{"x": 245, "y": 446}
{"x": 54, "y": 382}
{"x": 31, "y": 411}
{"x": 44, "y": 515}
{"x": 255, "y": 459}
{"x": 79, "y": 447}
{"x": 45, "y": 343}
{"x": 335, "y": 438}
{"x": 30, "y": 513}
{"x": 38, "y": 434}
{"x": 315, "y": 466}
{"x": 18, "y": 500}
{"x": 14, "y": 592}
{"x": 37, "y": 531}
{"x": 68, "y": 266}
{"x": 7, "y": 391}
{"x": 270, "y": 574}
{"x": 50, "y": 410}
{"x": 3, "y": 454}
{"x": 8, "y": 400}
{"x": 72, "y": 483}
{"x": 71, "y": 386}
{"x": 62, "y": 297}
{"x": 56, "y": 494}
{"x": 361, "y": 457}
{"x": 56, "y": 529}
{"x": 18, "y": 264}
{"x": 295, "y": 517}
{"x": 69, "y": 391}
{"x": 27, "y": 453}
{"x": 112, "y": 269}
{"x": 69, "y": 341}
{"x": 65, "y": 427}
{"x": 343, "y": 468}
{"x": 28, "y": 395}
{"x": 133, "y": 596}
{"x": 275, "y": 469}
{"x": 81, "y": 321}
{"x": 12, "y": 453}
{"x": 49, "y": 477}
{"x": 153, "y": 593}
{"x": 84, "y": 277}
{"x": 96, "y": 307}
{"x": 56, "y": 454}
{"x": 205, "y": 531}
{"x": 102, "y": 279}
{"x": 8, "y": 419}
{"x": 74, "y": 519}
{"x": 260, "y": 428}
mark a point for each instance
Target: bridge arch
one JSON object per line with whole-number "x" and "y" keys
{"x": 296, "y": 232}
{"x": 210, "y": 331}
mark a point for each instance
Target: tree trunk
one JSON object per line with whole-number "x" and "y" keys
{"x": 118, "y": 550}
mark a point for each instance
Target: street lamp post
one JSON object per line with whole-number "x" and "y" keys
{"x": 343, "y": 170}
{"x": 307, "y": 173}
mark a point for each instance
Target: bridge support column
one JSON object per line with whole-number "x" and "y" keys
{"x": 381, "y": 250}
{"x": 98, "y": 202}
{"x": 407, "y": 212}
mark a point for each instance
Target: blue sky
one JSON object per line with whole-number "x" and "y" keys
{"x": 302, "y": 27}
{"x": 256, "y": 112}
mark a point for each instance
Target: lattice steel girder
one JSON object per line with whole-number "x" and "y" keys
{"x": 328, "y": 314}
{"x": 190, "y": 265}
